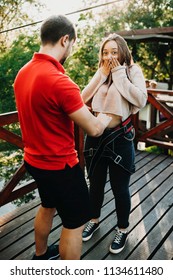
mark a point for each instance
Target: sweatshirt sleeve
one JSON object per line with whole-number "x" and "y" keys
{"x": 133, "y": 90}
{"x": 97, "y": 80}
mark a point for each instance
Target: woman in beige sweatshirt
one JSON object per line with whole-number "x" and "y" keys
{"x": 117, "y": 89}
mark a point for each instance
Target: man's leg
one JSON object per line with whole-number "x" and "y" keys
{"x": 42, "y": 226}
{"x": 70, "y": 245}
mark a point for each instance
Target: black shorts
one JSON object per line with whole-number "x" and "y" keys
{"x": 66, "y": 190}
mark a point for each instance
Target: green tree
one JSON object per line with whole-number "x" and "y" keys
{"x": 146, "y": 13}
{"x": 10, "y": 62}
{"x": 13, "y": 14}
{"x": 154, "y": 57}
{"x": 82, "y": 64}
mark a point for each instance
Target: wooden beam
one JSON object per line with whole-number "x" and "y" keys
{"x": 159, "y": 106}
{"x": 162, "y": 144}
{"x": 11, "y": 137}
{"x": 8, "y": 118}
{"x": 157, "y": 129}
{"x": 147, "y": 31}
{"x": 27, "y": 188}
{"x": 11, "y": 184}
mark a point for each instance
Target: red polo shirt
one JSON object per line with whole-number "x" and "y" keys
{"x": 44, "y": 97}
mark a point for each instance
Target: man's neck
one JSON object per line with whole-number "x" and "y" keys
{"x": 51, "y": 50}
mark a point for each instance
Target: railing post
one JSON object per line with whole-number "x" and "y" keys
{"x": 79, "y": 144}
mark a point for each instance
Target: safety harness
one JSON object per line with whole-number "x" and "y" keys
{"x": 103, "y": 150}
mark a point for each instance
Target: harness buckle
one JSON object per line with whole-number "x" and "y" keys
{"x": 125, "y": 129}
{"x": 90, "y": 152}
{"x": 117, "y": 159}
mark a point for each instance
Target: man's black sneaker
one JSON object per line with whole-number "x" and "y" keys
{"x": 89, "y": 230}
{"x": 119, "y": 242}
{"x": 52, "y": 253}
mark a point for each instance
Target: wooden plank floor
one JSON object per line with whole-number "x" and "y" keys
{"x": 151, "y": 220}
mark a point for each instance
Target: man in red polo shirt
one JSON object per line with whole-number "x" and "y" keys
{"x": 48, "y": 104}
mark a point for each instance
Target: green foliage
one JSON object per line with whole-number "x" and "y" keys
{"x": 155, "y": 150}
{"x": 24, "y": 199}
{"x": 82, "y": 65}
{"x": 10, "y": 160}
{"x": 146, "y": 13}
{"x": 13, "y": 14}
{"x": 10, "y": 62}
{"x": 5, "y": 146}
{"x": 153, "y": 57}
{"x": 157, "y": 60}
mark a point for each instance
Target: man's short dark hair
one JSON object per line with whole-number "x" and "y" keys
{"x": 55, "y": 27}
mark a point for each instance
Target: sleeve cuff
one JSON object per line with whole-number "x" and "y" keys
{"x": 120, "y": 67}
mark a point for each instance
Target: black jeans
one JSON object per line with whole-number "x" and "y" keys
{"x": 119, "y": 176}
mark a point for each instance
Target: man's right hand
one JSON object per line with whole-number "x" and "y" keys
{"x": 93, "y": 126}
{"x": 104, "y": 119}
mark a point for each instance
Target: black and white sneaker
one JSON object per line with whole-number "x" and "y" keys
{"x": 89, "y": 230}
{"x": 52, "y": 253}
{"x": 119, "y": 242}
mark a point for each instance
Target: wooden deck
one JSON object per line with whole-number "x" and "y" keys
{"x": 151, "y": 220}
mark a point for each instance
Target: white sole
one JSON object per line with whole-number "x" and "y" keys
{"x": 119, "y": 250}
{"x": 89, "y": 237}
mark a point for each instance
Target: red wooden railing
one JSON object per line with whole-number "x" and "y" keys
{"x": 11, "y": 191}
{"x": 157, "y": 134}
{"x": 160, "y": 133}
